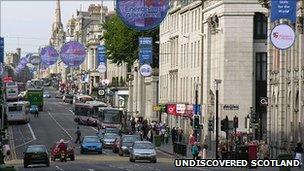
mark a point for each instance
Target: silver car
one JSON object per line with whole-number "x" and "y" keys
{"x": 108, "y": 139}
{"x": 143, "y": 150}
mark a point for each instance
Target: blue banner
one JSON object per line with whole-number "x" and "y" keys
{"x": 145, "y": 50}
{"x": 101, "y": 54}
{"x": 197, "y": 109}
{"x": 283, "y": 9}
{"x": 1, "y": 50}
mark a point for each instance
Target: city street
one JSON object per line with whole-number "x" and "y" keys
{"x": 56, "y": 122}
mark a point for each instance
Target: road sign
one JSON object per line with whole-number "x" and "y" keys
{"x": 231, "y": 107}
{"x": 101, "y": 92}
{"x": 145, "y": 70}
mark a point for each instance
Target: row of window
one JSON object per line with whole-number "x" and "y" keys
{"x": 190, "y": 54}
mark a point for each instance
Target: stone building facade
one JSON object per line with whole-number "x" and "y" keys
{"x": 285, "y": 88}
{"x": 213, "y": 39}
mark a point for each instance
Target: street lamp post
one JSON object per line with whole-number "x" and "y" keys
{"x": 217, "y": 82}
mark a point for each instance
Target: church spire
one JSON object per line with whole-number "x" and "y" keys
{"x": 58, "y": 14}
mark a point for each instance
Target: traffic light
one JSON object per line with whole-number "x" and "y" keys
{"x": 196, "y": 122}
{"x": 253, "y": 117}
{"x": 224, "y": 124}
{"x": 235, "y": 122}
{"x": 210, "y": 124}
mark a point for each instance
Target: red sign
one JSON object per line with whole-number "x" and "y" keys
{"x": 7, "y": 79}
{"x": 171, "y": 109}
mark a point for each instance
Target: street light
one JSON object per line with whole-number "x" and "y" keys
{"x": 217, "y": 82}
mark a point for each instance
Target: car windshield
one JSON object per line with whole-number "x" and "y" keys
{"x": 131, "y": 139}
{"x": 33, "y": 149}
{"x": 34, "y": 107}
{"x": 110, "y": 136}
{"x": 112, "y": 130}
{"x": 143, "y": 146}
{"x": 91, "y": 140}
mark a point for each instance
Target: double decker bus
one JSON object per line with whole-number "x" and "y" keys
{"x": 88, "y": 113}
{"x": 110, "y": 117}
{"x": 18, "y": 111}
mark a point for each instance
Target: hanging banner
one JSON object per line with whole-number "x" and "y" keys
{"x": 72, "y": 54}
{"x": 283, "y": 9}
{"x": 101, "y": 54}
{"x": 142, "y": 14}
{"x": 49, "y": 55}
{"x": 1, "y": 50}
{"x": 171, "y": 109}
{"x": 145, "y": 50}
{"x": 145, "y": 70}
{"x": 282, "y": 36}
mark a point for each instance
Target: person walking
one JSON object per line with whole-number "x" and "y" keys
{"x": 78, "y": 134}
{"x": 298, "y": 153}
{"x": 195, "y": 151}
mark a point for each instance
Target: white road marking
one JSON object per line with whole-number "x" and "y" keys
{"x": 31, "y": 130}
{"x": 12, "y": 143}
{"x": 71, "y": 112}
{"x": 60, "y": 125}
{"x": 58, "y": 168}
{"x": 90, "y": 169}
{"x": 94, "y": 128}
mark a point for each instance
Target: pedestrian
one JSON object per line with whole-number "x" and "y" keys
{"x": 298, "y": 153}
{"x": 173, "y": 135}
{"x": 224, "y": 152}
{"x": 78, "y": 134}
{"x": 36, "y": 114}
{"x": 192, "y": 139}
{"x": 195, "y": 151}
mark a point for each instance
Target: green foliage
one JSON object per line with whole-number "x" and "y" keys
{"x": 121, "y": 42}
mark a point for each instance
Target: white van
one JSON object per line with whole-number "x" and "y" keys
{"x": 18, "y": 111}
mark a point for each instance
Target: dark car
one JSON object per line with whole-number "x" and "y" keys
{"x": 108, "y": 140}
{"x": 126, "y": 142}
{"x": 36, "y": 154}
{"x": 55, "y": 153}
{"x": 68, "y": 98}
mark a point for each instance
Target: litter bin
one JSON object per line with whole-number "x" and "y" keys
{"x": 284, "y": 157}
{"x": 157, "y": 140}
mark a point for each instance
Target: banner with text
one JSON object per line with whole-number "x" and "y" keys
{"x": 283, "y": 9}
{"x": 145, "y": 50}
{"x": 1, "y": 49}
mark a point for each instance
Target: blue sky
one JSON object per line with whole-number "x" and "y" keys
{"x": 31, "y": 21}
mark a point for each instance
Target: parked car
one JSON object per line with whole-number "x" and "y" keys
{"x": 142, "y": 150}
{"x": 126, "y": 142}
{"x": 115, "y": 146}
{"x": 68, "y": 98}
{"x": 34, "y": 109}
{"x": 36, "y": 154}
{"x": 91, "y": 144}
{"x": 108, "y": 140}
{"x": 55, "y": 152}
{"x": 46, "y": 95}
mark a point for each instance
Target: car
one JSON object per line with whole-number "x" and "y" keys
{"x": 108, "y": 140}
{"x": 91, "y": 144}
{"x": 34, "y": 109}
{"x": 126, "y": 142}
{"x": 55, "y": 152}
{"x": 68, "y": 98}
{"x": 142, "y": 150}
{"x": 46, "y": 95}
{"x": 115, "y": 146}
{"x": 36, "y": 154}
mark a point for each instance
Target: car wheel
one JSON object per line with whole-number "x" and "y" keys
{"x": 131, "y": 160}
{"x": 73, "y": 158}
{"x": 153, "y": 161}
{"x": 81, "y": 151}
{"x": 25, "y": 165}
{"x": 47, "y": 164}
{"x": 120, "y": 153}
{"x": 53, "y": 158}
{"x": 99, "y": 152}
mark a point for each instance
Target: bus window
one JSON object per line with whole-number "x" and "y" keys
{"x": 15, "y": 108}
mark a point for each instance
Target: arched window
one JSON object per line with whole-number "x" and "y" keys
{"x": 260, "y": 26}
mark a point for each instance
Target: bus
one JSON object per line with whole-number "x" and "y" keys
{"x": 18, "y": 111}
{"x": 110, "y": 117}
{"x": 11, "y": 91}
{"x": 88, "y": 113}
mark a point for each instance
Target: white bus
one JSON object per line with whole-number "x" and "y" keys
{"x": 11, "y": 90}
{"x": 18, "y": 111}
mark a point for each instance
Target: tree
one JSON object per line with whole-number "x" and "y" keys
{"x": 121, "y": 42}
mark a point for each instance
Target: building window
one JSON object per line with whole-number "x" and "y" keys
{"x": 260, "y": 26}
{"x": 261, "y": 66}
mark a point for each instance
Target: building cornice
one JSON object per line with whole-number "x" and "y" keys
{"x": 191, "y": 6}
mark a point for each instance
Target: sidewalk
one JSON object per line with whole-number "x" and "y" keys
{"x": 168, "y": 149}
